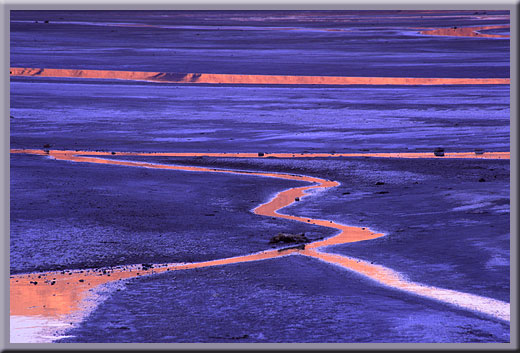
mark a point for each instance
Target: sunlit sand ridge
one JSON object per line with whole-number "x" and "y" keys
{"x": 196, "y": 78}
{"x": 476, "y": 31}
{"x": 58, "y": 296}
{"x": 470, "y": 155}
{"x": 393, "y": 279}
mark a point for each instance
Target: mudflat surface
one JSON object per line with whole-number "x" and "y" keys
{"x": 455, "y": 236}
{"x": 424, "y": 245}
{"x": 155, "y": 117}
{"x": 446, "y": 221}
{"x": 68, "y": 215}
{"x": 291, "y": 299}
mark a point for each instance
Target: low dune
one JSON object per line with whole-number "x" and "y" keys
{"x": 205, "y": 78}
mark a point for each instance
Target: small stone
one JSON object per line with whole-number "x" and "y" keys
{"x": 481, "y": 180}
{"x": 146, "y": 266}
{"x": 439, "y": 152}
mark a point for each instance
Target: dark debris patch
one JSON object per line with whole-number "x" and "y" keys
{"x": 289, "y": 238}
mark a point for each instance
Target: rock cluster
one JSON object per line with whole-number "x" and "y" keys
{"x": 289, "y": 238}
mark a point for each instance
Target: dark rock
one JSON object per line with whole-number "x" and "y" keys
{"x": 296, "y": 199}
{"x": 53, "y": 283}
{"x": 439, "y": 152}
{"x": 380, "y": 183}
{"x": 239, "y": 337}
{"x": 479, "y": 151}
{"x": 382, "y": 192}
{"x": 147, "y": 266}
{"x": 481, "y": 180}
{"x": 113, "y": 153}
{"x": 82, "y": 280}
{"x": 289, "y": 238}
{"x": 46, "y": 145}
{"x": 260, "y": 154}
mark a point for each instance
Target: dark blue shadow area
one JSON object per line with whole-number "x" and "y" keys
{"x": 77, "y": 215}
{"x": 122, "y": 117}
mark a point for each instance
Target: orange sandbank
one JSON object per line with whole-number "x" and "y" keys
{"x": 471, "y": 155}
{"x": 466, "y": 32}
{"x": 165, "y": 77}
{"x": 487, "y": 306}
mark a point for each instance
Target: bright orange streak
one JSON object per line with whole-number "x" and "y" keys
{"x": 388, "y": 277}
{"x": 165, "y": 77}
{"x": 471, "y": 155}
{"x": 59, "y": 294}
{"x": 70, "y": 288}
{"x": 466, "y": 32}
{"x": 65, "y": 295}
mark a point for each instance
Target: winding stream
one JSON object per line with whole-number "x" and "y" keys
{"x": 40, "y": 309}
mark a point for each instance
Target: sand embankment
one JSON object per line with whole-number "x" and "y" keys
{"x": 466, "y": 31}
{"x": 204, "y": 78}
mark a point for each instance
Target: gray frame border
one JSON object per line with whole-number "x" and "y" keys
{"x": 7, "y": 5}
